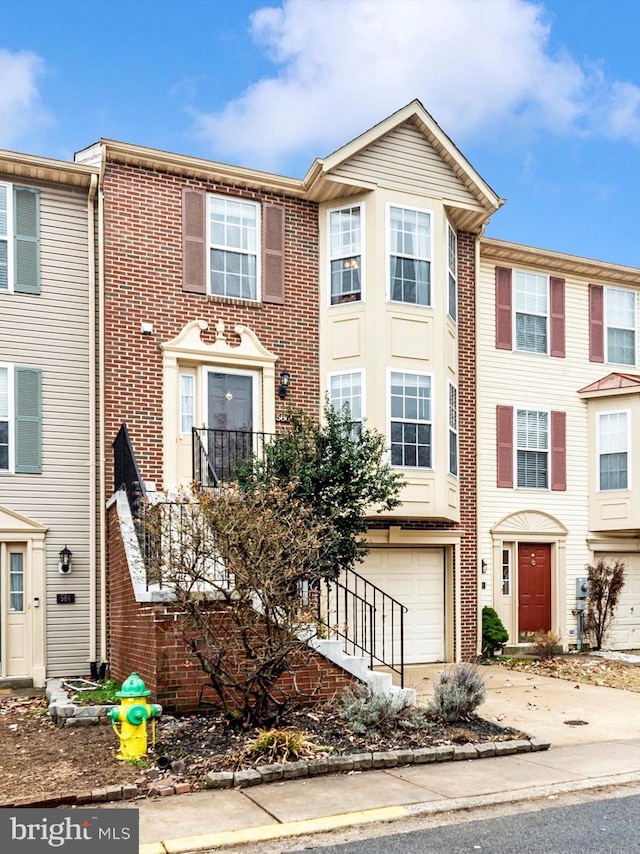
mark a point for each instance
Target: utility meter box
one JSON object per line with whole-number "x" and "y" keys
{"x": 582, "y": 588}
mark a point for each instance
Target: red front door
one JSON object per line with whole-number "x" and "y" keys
{"x": 534, "y": 589}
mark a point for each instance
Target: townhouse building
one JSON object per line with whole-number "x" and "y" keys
{"x": 49, "y": 510}
{"x": 557, "y": 404}
{"x": 229, "y": 294}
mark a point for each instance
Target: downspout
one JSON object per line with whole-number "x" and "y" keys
{"x": 101, "y": 420}
{"x": 93, "y": 524}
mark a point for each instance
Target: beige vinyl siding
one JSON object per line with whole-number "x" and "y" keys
{"x": 403, "y": 159}
{"x": 526, "y": 379}
{"x": 50, "y": 331}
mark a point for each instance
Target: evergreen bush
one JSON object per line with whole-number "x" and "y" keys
{"x": 494, "y": 634}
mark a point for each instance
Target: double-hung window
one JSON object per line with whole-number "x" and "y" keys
{"x": 620, "y": 314}
{"x": 345, "y": 394}
{"x": 234, "y": 228}
{"x": 409, "y": 255}
{"x": 453, "y": 429}
{"x": 19, "y": 239}
{"x": 452, "y": 265}
{"x": 532, "y": 311}
{"x": 613, "y": 450}
{"x": 345, "y": 254}
{"x": 532, "y": 448}
{"x": 410, "y": 420}
{"x": 20, "y": 420}
{"x": 5, "y": 237}
{"x": 6, "y": 420}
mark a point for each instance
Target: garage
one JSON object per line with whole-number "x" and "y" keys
{"x": 416, "y": 578}
{"x": 625, "y": 631}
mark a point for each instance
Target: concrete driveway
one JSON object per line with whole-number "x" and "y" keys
{"x": 542, "y": 705}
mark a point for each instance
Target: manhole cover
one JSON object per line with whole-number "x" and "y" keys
{"x": 577, "y": 723}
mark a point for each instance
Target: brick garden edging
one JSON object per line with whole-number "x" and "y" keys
{"x": 163, "y": 787}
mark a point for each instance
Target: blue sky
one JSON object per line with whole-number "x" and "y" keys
{"x": 542, "y": 98}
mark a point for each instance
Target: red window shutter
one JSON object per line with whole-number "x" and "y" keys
{"x": 556, "y": 287}
{"x": 194, "y": 265}
{"x": 596, "y": 323}
{"x": 273, "y": 254}
{"x": 504, "y": 436}
{"x": 503, "y": 308}
{"x": 558, "y": 450}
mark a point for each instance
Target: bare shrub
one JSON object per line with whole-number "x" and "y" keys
{"x": 606, "y": 580}
{"x": 546, "y": 645}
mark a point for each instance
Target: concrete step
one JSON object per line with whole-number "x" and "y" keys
{"x": 358, "y": 666}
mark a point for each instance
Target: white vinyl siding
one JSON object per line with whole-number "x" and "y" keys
{"x": 531, "y": 302}
{"x": 404, "y": 159}
{"x": 345, "y": 254}
{"x": 613, "y": 450}
{"x": 52, "y": 331}
{"x": 532, "y": 449}
{"x": 234, "y": 229}
{"x": 620, "y": 323}
{"x": 409, "y": 241}
{"x": 410, "y": 423}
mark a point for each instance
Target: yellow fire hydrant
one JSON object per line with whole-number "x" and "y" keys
{"x": 133, "y": 714}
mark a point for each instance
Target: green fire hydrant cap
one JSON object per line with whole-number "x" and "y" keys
{"x": 133, "y": 686}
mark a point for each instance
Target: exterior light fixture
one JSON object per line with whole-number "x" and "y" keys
{"x": 285, "y": 379}
{"x": 483, "y": 564}
{"x": 64, "y": 567}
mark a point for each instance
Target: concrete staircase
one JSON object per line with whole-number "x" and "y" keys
{"x": 358, "y": 666}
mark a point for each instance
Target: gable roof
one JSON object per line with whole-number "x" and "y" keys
{"x": 324, "y": 179}
{"x": 15, "y": 523}
{"x": 611, "y": 384}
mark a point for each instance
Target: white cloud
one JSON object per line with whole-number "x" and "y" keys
{"x": 477, "y": 65}
{"x": 20, "y": 108}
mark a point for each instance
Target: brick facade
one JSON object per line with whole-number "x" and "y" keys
{"x": 146, "y": 639}
{"x": 143, "y": 283}
{"x": 467, "y": 557}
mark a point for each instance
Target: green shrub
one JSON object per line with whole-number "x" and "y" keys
{"x": 375, "y": 713}
{"x": 494, "y": 634}
{"x": 457, "y": 693}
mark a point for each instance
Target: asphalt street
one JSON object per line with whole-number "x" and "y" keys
{"x": 610, "y": 826}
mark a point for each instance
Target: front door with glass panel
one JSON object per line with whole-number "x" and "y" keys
{"x": 230, "y": 422}
{"x": 14, "y": 648}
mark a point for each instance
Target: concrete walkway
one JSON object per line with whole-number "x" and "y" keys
{"x": 604, "y": 750}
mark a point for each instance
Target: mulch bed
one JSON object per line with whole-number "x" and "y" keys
{"x": 205, "y": 743}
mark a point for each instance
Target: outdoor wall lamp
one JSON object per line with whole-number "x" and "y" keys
{"x": 483, "y": 565}
{"x": 64, "y": 567}
{"x": 285, "y": 379}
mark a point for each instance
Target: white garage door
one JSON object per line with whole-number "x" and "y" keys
{"x": 625, "y": 631}
{"x": 415, "y": 577}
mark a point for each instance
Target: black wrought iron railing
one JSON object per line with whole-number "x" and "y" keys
{"x": 367, "y": 620}
{"x": 126, "y": 473}
{"x": 217, "y": 453}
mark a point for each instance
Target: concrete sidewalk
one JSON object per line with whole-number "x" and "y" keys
{"x": 604, "y": 750}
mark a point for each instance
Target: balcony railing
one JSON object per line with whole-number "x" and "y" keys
{"x": 217, "y": 453}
